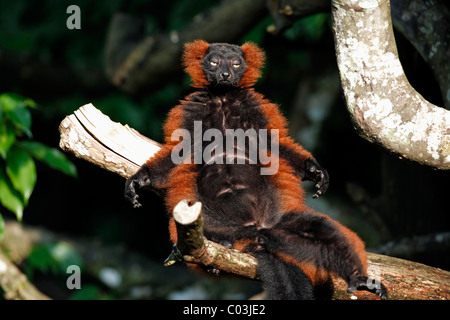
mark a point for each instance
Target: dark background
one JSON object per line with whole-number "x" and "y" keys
{"x": 63, "y": 69}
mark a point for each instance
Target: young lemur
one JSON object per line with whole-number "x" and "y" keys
{"x": 264, "y": 215}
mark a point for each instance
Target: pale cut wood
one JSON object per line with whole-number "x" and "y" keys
{"x": 92, "y": 136}
{"x": 119, "y": 138}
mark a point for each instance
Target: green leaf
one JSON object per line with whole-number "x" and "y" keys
{"x": 7, "y": 139}
{"x": 2, "y": 227}
{"x": 15, "y": 109}
{"x": 21, "y": 171}
{"x": 30, "y": 103}
{"x": 87, "y": 292}
{"x": 40, "y": 258}
{"x": 21, "y": 117}
{"x": 54, "y": 257}
{"x": 9, "y": 197}
{"x": 51, "y": 156}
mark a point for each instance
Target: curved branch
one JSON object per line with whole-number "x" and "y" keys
{"x": 382, "y": 103}
{"x": 426, "y": 24}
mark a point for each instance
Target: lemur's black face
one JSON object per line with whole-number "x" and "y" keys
{"x": 223, "y": 64}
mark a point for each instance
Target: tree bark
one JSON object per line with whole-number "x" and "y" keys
{"x": 426, "y": 25}
{"x": 15, "y": 284}
{"x": 384, "y": 107}
{"x": 92, "y": 136}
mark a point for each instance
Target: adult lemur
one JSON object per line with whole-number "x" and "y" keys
{"x": 261, "y": 214}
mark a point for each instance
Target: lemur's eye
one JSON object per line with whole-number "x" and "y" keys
{"x": 213, "y": 63}
{"x": 236, "y": 64}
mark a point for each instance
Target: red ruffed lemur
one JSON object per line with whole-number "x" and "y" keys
{"x": 262, "y": 213}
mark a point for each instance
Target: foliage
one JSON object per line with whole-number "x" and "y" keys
{"x": 53, "y": 258}
{"x": 310, "y": 28}
{"x": 18, "y": 153}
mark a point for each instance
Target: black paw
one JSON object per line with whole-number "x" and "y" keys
{"x": 213, "y": 271}
{"x": 314, "y": 172}
{"x": 133, "y": 185}
{"x": 226, "y": 244}
{"x": 368, "y": 284}
{"x": 174, "y": 257}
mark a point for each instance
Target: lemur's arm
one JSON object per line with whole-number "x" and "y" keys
{"x": 305, "y": 166}
{"x": 302, "y": 161}
{"x": 155, "y": 172}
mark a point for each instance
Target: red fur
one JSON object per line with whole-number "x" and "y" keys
{"x": 183, "y": 176}
{"x": 315, "y": 273}
{"x": 254, "y": 59}
{"x": 289, "y": 191}
{"x": 353, "y": 239}
{"x": 173, "y": 122}
{"x": 194, "y": 53}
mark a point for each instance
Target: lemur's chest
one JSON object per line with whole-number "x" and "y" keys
{"x": 233, "y": 111}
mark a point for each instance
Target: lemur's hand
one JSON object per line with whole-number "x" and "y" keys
{"x": 134, "y": 184}
{"x": 314, "y": 172}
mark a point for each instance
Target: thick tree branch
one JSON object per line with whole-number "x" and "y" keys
{"x": 426, "y": 24}
{"x": 15, "y": 284}
{"x": 382, "y": 103}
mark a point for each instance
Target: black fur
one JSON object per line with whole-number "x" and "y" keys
{"x": 283, "y": 281}
{"x": 223, "y": 64}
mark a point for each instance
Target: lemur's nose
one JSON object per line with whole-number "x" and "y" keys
{"x": 225, "y": 75}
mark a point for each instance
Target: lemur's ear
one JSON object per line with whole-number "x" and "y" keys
{"x": 193, "y": 55}
{"x": 254, "y": 60}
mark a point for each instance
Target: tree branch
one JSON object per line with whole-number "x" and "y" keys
{"x": 286, "y": 12}
{"x": 92, "y": 136}
{"x": 15, "y": 284}
{"x": 195, "y": 248}
{"x": 383, "y": 105}
{"x": 426, "y": 25}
